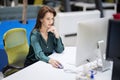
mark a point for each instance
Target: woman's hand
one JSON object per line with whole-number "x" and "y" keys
{"x": 54, "y": 63}
{"x": 54, "y": 31}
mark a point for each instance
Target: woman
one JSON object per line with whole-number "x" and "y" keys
{"x": 44, "y": 39}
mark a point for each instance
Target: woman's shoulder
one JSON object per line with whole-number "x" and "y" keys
{"x": 35, "y": 32}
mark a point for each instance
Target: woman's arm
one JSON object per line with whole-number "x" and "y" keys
{"x": 39, "y": 54}
{"x": 54, "y": 31}
{"x": 59, "y": 47}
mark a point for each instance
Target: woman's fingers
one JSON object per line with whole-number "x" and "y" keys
{"x": 54, "y": 63}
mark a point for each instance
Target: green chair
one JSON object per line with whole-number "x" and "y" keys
{"x": 16, "y": 47}
{"x": 38, "y": 2}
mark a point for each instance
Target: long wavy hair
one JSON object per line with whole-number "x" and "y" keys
{"x": 43, "y": 10}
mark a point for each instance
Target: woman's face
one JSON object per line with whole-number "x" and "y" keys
{"x": 47, "y": 20}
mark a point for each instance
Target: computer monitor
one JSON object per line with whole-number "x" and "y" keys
{"x": 89, "y": 33}
{"x": 113, "y": 40}
{"x": 113, "y": 47}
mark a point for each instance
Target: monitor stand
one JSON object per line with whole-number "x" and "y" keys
{"x": 105, "y": 64}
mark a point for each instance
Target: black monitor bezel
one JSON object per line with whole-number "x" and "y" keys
{"x": 110, "y": 26}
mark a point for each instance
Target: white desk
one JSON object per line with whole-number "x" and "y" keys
{"x": 86, "y": 6}
{"x": 44, "y": 71}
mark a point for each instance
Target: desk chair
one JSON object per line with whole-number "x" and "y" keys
{"x": 16, "y": 47}
{"x": 38, "y": 2}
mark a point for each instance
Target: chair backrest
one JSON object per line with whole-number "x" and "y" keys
{"x": 16, "y": 46}
{"x": 38, "y": 2}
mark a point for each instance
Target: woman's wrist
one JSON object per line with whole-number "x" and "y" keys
{"x": 56, "y": 33}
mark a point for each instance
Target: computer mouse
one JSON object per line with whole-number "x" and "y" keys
{"x": 60, "y": 66}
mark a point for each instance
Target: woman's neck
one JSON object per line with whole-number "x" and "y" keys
{"x": 43, "y": 30}
{"x": 44, "y": 33}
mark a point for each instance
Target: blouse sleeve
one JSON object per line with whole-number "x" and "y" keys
{"x": 59, "y": 47}
{"x": 39, "y": 54}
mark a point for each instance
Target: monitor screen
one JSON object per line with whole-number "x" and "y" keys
{"x": 113, "y": 40}
{"x": 89, "y": 33}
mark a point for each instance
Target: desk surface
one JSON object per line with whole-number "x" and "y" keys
{"x": 44, "y": 71}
